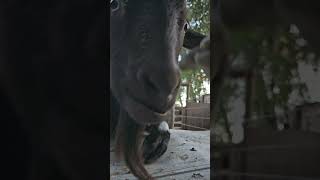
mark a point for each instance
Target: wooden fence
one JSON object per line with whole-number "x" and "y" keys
{"x": 195, "y": 116}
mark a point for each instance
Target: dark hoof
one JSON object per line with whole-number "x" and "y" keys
{"x": 156, "y": 142}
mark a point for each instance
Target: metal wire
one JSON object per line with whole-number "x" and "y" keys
{"x": 193, "y": 108}
{"x": 188, "y": 125}
{"x": 190, "y": 117}
{"x": 194, "y": 117}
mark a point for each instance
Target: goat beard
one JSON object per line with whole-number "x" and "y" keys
{"x": 129, "y": 140}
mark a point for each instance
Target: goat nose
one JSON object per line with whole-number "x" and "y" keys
{"x": 161, "y": 82}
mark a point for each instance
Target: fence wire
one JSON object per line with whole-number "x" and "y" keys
{"x": 194, "y": 117}
{"x": 181, "y": 123}
{"x": 188, "y": 125}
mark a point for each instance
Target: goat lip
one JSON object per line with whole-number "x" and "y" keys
{"x": 161, "y": 114}
{"x": 141, "y": 113}
{"x": 155, "y": 111}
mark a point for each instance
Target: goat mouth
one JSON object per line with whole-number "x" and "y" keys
{"x": 155, "y": 111}
{"x": 142, "y": 113}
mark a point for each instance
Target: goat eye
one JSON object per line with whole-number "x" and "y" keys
{"x": 114, "y": 5}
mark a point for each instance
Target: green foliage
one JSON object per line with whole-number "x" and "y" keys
{"x": 274, "y": 59}
{"x": 199, "y": 15}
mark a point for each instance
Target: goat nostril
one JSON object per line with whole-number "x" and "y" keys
{"x": 151, "y": 84}
{"x": 177, "y": 87}
{"x": 147, "y": 81}
{"x": 162, "y": 85}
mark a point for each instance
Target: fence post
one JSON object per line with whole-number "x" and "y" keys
{"x": 172, "y": 117}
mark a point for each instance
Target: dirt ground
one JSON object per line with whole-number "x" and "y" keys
{"x": 187, "y": 158}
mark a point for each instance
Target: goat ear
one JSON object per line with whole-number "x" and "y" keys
{"x": 188, "y": 62}
{"x": 198, "y": 57}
